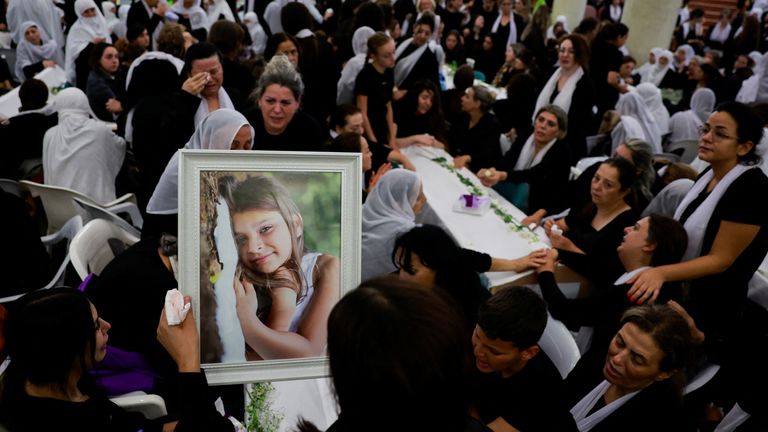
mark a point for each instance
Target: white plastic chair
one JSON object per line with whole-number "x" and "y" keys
{"x": 67, "y": 232}
{"x": 559, "y": 345}
{"x": 151, "y": 406}
{"x": 94, "y": 246}
{"x": 12, "y": 187}
{"x": 90, "y": 212}
{"x": 59, "y": 206}
{"x": 735, "y": 418}
{"x": 690, "y": 148}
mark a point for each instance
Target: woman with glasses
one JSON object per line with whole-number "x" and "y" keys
{"x": 571, "y": 89}
{"x": 727, "y": 229}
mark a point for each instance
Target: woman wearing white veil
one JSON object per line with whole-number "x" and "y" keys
{"x": 217, "y": 8}
{"x": 657, "y": 73}
{"x": 90, "y": 27}
{"x": 562, "y": 19}
{"x": 685, "y": 125}
{"x": 42, "y": 12}
{"x": 345, "y": 89}
{"x": 258, "y": 35}
{"x": 653, "y": 58}
{"x": 652, "y": 97}
{"x": 109, "y": 10}
{"x": 632, "y": 104}
{"x": 43, "y": 52}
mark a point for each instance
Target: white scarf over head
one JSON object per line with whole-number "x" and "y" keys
{"x": 647, "y": 66}
{"x": 272, "y": 15}
{"x": 565, "y": 97}
{"x": 81, "y": 153}
{"x": 689, "y": 53}
{"x": 218, "y": 8}
{"x": 685, "y": 125}
{"x": 258, "y": 35}
{"x": 652, "y": 97}
{"x": 527, "y": 158}
{"x": 632, "y": 104}
{"x": 387, "y": 213}
{"x": 83, "y": 32}
{"x": 29, "y": 54}
{"x": 216, "y": 132}
{"x": 580, "y": 412}
{"x": 108, "y": 8}
{"x": 512, "y": 38}
{"x": 43, "y": 12}
{"x": 656, "y": 74}
{"x": 345, "y": 89}
{"x": 627, "y": 129}
{"x": 697, "y": 222}
{"x": 405, "y": 65}
{"x": 562, "y": 19}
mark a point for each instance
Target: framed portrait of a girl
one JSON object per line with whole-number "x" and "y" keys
{"x": 268, "y": 243}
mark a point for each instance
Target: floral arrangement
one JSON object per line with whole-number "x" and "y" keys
{"x": 260, "y": 416}
{"x": 522, "y": 230}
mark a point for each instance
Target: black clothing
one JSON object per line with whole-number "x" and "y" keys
{"x": 320, "y": 77}
{"x": 717, "y": 301}
{"x": 378, "y": 87}
{"x": 237, "y": 76}
{"x": 22, "y": 139}
{"x": 31, "y": 70}
{"x": 600, "y": 263}
{"x": 426, "y": 67}
{"x": 82, "y": 68}
{"x": 530, "y": 400}
{"x": 99, "y": 88}
{"x": 138, "y": 15}
{"x": 481, "y": 142}
{"x": 605, "y": 58}
{"x": 303, "y": 133}
{"x": 546, "y": 181}
{"x": 25, "y": 263}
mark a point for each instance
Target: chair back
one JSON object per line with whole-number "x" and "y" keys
{"x": 12, "y": 187}
{"x": 96, "y": 245}
{"x": 91, "y": 211}
{"x": 59, "y": 205}
{"x": 151, "y": 405}
{"x": 559, "y": 345}
{"x": 686, "y": 149}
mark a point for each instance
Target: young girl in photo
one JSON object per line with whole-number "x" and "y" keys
{"x": 283, "y": 292}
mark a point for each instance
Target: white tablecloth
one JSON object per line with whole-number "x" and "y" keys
{"x": 52, "y": 77}
{"x": 484, "y": 233}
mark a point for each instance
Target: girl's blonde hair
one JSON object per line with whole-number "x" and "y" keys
{"x": 264, "y": 193}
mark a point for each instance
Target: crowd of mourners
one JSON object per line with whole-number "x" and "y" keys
{"x": 644, "y": 169}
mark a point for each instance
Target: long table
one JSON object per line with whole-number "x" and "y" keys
{"x": 487, "y": 232}
{"x": 52, "y": 77}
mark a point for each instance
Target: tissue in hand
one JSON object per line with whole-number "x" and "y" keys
{"x": 175, "y": 309}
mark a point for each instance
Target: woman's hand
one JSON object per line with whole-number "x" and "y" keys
{"x": 195, "y": 84}
{"x": 49, "y": 63}
{"x": 181, "y": 341}
{"x": 246, "y": 300}
{"x": 535, "y": 218}
{"x": 559, "y": 241}
{"x": 461, "y": 161}
{"x": 697, "y": 335}
{"x": 549, "y": 261}
{"x": 98, "y": 40}
{"x": 560, "y": 224}
{"x": 490, "y": 177}
{"x": 646, "y": 286}
{"x": 533, "y": 260}
{"x": 377, "y": 175}
{"x": 114, "y": 106}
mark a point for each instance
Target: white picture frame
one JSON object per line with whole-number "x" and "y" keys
{"x": 197, "y": 168}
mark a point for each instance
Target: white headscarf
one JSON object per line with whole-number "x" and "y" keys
{"x": 81, "y": 153}
{"x": 564, "y": 97}
{"x": 42, "y": 12}
{"x": 29, "y": 54}
{"x": 625, "y": 130}
{"x": 632, "y": 104}
{"x": 258, "y": 35}
{"x": 656, "y": 73}
{"x": 272, "y": 15}
{"x": 405, "y": 65}
{"x": 197, "y": 16}
{"x": 689, "y": 53}
{"x": 387, "y": 213}
{"x": 216, "y": 132}
{"x": 685, "y": 125}
{"x": 217, "y": 8}
{"x": 527, "y": 159}
{"x": 562, "y": 19}
{"x": 652, "y": 97}
{"x": 345, "y": 88}
{"x": 647, "y": 66}
{"x": 108, "y": 9}
{"x": 83, "y": 32}
{"x": 120, "y": 29}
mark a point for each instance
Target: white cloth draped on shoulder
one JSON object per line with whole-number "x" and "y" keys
{"x": 387, "y": 213}
{"x": 215, "y": 132}
{"x": 29, "y": 54}
{"x": 652, "y": 97}
{"x": 697, "y": 222}
{"x": 198, "y": 17}
{"x": 83, "y": 32}
{"x": 81, "y": 152}
{"x": 405, "y": 65}
{"x": 512, "y": 38}
{"x": 565, "y": 97}
{"x": 580, "y": 412}
{"x": 202, "y": 110}
{"x": 632, "y": 104}
{"x": 217, "y": 8}
{"x": 528, "y": 158}
{"x": 685, "y": 125}
{"x": 345, "y": 89}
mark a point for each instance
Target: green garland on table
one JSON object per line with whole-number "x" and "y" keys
{"x": 260, "y": 415}
{"x": 522, "y": 230}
